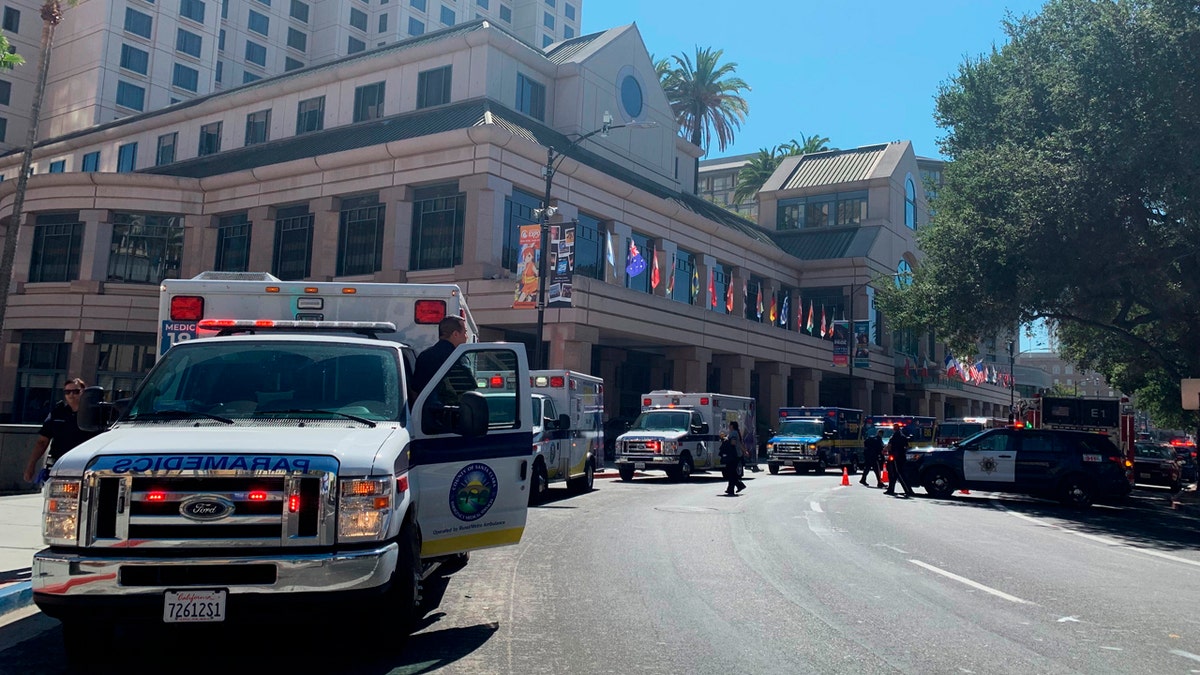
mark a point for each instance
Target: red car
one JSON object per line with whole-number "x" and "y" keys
{"x": 1157, "y": 464}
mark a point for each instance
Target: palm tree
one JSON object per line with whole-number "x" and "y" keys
{"x": 51, "y": 16}
{"x": 705, "y": 97}
{"x": 752, "y": 176}
{"x": 811, "y": 144}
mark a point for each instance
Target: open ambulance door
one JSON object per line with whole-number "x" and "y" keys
{"x": 471, "y": 456}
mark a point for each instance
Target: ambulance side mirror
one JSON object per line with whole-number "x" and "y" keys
{"x": 701, "y": 428}
{"x": 94, "y": 412}
{"x": 472, "y": 418}
{"x": 564, "y": 422}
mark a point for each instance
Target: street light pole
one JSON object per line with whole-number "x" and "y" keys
{"x": 553, "y": 161}
{"x": 1012, "y": 385}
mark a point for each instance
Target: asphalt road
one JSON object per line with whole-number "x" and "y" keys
{"x": 796, "y": 575}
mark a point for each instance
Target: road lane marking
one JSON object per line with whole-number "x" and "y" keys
{"x": 1186, "y": 655}
{"x": 815, "y": 506}
{"x": 968, "y": 582}
{"x": 1100, "y": 540}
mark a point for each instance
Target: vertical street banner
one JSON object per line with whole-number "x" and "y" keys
{"x": 841, "y": 342}
{"x": 562, "y": 264}
{"x": 862, "y": 343}
{"x": 525, "y": 296}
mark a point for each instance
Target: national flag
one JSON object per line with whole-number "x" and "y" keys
{"x": 822, "y": 320}
{"x": 809, "y": 326}
{"x": 712, "y": 289}
{"x": 979, "y": 372}
{"x": 608, "y": 254}
{"x": 758, "y": 303}
{"x": 671, "y": 278}
{"x": 783, "y": 312}
{"x": 745, "y": 293}
{"x": 654, "y": 277}
{"x": 830, "y": 333}
{"x": 695, "y": 282}
{"x": 924, "y": 371}
{"x": 729, "y": 297}
{"x": 950, "y": 365}
{"x": 773, "y": 314}
{"x": 907, "y": 367}
{"x": 635, "y": 264}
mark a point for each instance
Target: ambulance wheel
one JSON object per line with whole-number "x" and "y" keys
{"x": 626, "y": 471}
{"x": 87, "y": 643}
{"x": 682, "y": 472}
{"x": 800, "y": 468}
{"x": 773, "y": 468}
{"x": 539, "y": 487}
{"x": 821, "y": 467}
{"x": 939, "y": 482}
{"x": 403, "y": 599}
{"x": 584, "y": 483}
{"x": 1075, "y": 491}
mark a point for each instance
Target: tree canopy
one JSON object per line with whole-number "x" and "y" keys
{"x": 705, "y": 95}
{"x": 755, "y": 174}
{"x": 1072, "y": 194}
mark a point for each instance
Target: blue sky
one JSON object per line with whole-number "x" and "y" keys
{"x": 858, "y": 72}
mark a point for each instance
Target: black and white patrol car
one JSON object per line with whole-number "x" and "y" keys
{"x": 1074, "y": 467}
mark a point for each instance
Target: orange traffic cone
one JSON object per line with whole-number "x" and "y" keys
{"x": 883, "y": 478}
{"x": 845, "y": 476}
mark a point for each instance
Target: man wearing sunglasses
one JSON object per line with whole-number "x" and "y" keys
{"x": 59, "y": 432}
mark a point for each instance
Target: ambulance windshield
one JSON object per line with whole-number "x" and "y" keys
{"x": 662, "y": 420}
{"x": 802, "y": 428}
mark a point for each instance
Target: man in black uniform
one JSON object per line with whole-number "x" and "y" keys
{"x": 872, "y": 457}
{"x": 896, "y": 449}
{"x": 452, "y": 332}
{"x": 731, "y": 457}
{"x": 59, "y": 431}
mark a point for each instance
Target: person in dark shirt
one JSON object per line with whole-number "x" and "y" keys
{"x": 897, "y": 450}
{"x": 452, "y": 332}
{"x": 59, "y": 431}
{"x": 872, "y": 456}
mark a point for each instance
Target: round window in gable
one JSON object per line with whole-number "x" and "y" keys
{"x": 631, "y": 94}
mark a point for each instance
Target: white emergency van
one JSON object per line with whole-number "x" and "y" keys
{"x": 679, "y": 432}
{"x": 416, "y": 309}
{"x": 281, "y": 468}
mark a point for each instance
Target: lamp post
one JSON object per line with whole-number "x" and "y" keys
{"x": 901, "y": 279}
{"x": 553, "y": 160}
{"x": 1012, "y": 386}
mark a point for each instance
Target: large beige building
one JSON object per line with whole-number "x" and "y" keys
{"x": 117, "y": 58}
{"x": 420, "y": 161}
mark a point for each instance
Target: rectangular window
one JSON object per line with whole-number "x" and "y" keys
{"x": 145, "y": 249}
{"x": 187, "y": 42}
{"x": 221, "y": 40}
{"x": 518, "y": 211}
{"x": 290, "y": 64}
{"x": 568, "y": 32}
{"x": 130, "y": 95}
{"x": 505, "y": 13}
{"x": 165, "y": 153}
{"x": 531, "y": 97}
{"x": 41, "y": 371}
{"x": 589, "y": 247}
{"x": 12, "y": 20}
{"x": 58, "y": 166}
{"x": 548, "y": 20}
{"x": 3, "y": 133}
{"x": 5, "y": 92}
{"x": 297, "y": 39}
{"x": 210, "y": 139}
{"x": 368, "y": 102}
{"x": 851, "y": 208}
{"x": 192, "y": 9}
{"x": 259, "y": 23}
{"x": 789, "y": 214}
{"x": 360, "y": 236}
{"x": 482, "y": 3}
{"x": 224, "y": 9}
{"x": 437, "y": 229}
{"x": 124, "y": 359}
{"x": 354, "y": 45}
{"x": 91, "y": 162}
{"x": 549, "y": 3}
{"x": 256, "y": 53}
{"x": 248, "y": 76}
{"x": 417, "y": 4}
{"x": 818, "y": 211}
{"x": 57, "y": 243}
{"x": 132, "y": 59}
{"x": 293, "y": 243}
{"x": 185, "y": 77}
{"x": 138, "y": 23}
{"x": 433, "y": 87}
{"x": 265, "y": 2}
{"x": 220, "y": 74}
{"x": 310, "y": 115}
{"x": 127, "y": 158}
{"x": 233, "y": 243}
{"x": 383, "y": 23}
{"x": 569, "y": 11}
{"x": 358, "y": 19}
{"x": 681, "y": 290}
{"x": 447, "y": 16}
{"x": 299, "y": 11}
{"x": 258, "y": 127}
{"x": 415, "y": 27}
{"x": 547, "y": 40}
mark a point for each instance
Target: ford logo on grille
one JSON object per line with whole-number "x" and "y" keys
{"x": 205, "y": 508}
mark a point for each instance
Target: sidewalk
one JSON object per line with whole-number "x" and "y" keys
{"x": 20, "y": 538}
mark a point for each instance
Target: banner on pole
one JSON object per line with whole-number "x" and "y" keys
{"x": 862, "y": 343}
{"x": 841, "y": 342}
{"x": 527, "y": 267}
{"x": 562, "y": 264}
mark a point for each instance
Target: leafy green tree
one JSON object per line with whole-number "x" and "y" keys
{"x": 6, "y": 59}
{"x": 706, "y": 96}
{"x": 755, "y": 174}
{"x": 1073, "y": 194}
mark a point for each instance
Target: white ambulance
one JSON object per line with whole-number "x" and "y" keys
{"x": 415, "y": 309}
{"x": 679, "y": 433}
{"x": 282, "y": 465}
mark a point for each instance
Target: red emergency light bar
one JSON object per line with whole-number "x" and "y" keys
{"x": 429, "y": 311}
{"x": 187, "y": 308}
{"x": 557, "y": 381}
{"x": 257, "y": 496}
{"x": 703, "y": 400}
{"x": 156, "y": 496}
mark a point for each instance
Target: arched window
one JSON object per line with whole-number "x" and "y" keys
{"x": 910, "y": 203}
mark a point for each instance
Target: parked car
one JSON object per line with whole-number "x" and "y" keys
{"x": 1185, "y": 450}
{"x": 1157, "y": 464}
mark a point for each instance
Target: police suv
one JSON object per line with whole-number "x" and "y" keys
{"x": 1074, "y": 467}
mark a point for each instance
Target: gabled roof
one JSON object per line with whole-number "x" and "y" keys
{"x": 834, "y": 167}
{"x": 561, "y": 52}
{"x": 826, "y": 243}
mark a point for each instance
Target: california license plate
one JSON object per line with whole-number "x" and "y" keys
{"x": 639, "y": 465}
{"x": 194, "y": 606}
{"x": 1144, "y": 476}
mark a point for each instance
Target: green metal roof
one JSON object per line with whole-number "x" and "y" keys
{"x": 827, "y": 243}
{"x": 834, "y": 167}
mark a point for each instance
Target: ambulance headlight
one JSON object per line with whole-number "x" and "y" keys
{"x": 60, "y": 512}
{"x": 669, "y": 447}
{"x": 770, "y": 446}
{"x": 812, "y": 446}
{"x": 364, "y": 508}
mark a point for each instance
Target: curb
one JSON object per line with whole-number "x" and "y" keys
{"x": 15, "y": 596}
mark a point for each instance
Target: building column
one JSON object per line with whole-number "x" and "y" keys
{"x": 922, "y": 403}
{"x": 571, "y": 346}
{"x": 397, "y": 233}
{"x": 326, "y": 221}
{"x": 860, "y": 394}
{"x": 772, "y": 390}
{"x": 95, "y": 246}
{"x": 882, "y": 398}
{"x": 483, "y": 237}
{"x": 262, "y": 238}
{"x": 735, "y": 373}
{"x": 691, "y": 368}
{"x": 610, "y": 359}
{"x": 198, "y": 236}
{"x": 24, "y": 254}
{"x": 806, "y": 386}
{"x": 937, "y": 405}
